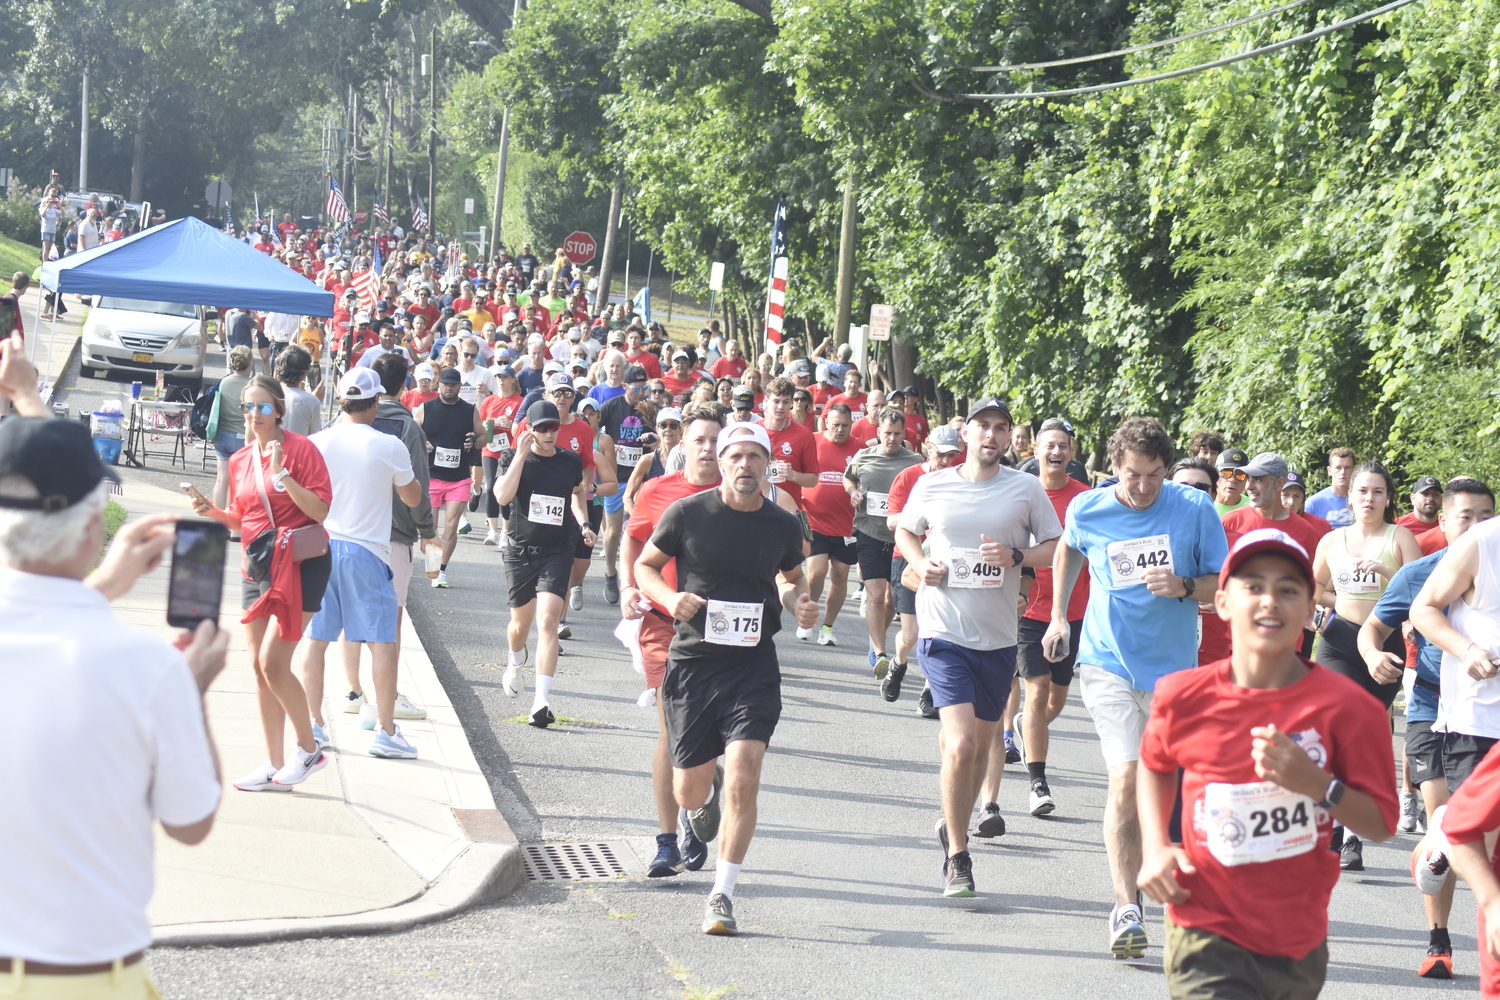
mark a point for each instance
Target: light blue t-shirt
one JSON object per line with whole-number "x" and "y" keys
{"x": 1392, "y": 611}
{"x": 604, "y": 392}
{"x": 1127, "y": 630}
{"x": 1330, "y": 507}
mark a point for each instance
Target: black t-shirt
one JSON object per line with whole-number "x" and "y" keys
{"x": 527, "y": 264}
{"x": 623, "y": 423}
{"x": 549, "y": 481}
{"x": 446, "y": 426}
{"x": 725, "y": 554}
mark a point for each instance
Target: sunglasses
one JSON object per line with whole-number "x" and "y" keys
{"x": 564, "y": 393}
{"x": 1204, "y": 487}
{"x": 670, "y": 425}
{"x": 468, "y": 355}
{"x": 1238, "y": 474}
{"x": 265, "y": 409}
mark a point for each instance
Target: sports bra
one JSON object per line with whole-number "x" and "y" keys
{"x": 1364, "y": 585}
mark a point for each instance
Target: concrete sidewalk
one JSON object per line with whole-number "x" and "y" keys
{"x": 365, "y": 845}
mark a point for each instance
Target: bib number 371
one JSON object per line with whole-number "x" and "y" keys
{"x": 733, "y": 623}
{"x": 1129, "y": 560}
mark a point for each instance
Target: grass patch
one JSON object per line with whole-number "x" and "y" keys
{"x": 694, "y": 990}
{"x": 611, "y": 914}
{"x": 114, "y": 517}
{"x": 562, "y": 720}
{"x": 16, "y": 256}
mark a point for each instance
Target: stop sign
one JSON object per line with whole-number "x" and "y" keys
{"x": 580, "y": 247}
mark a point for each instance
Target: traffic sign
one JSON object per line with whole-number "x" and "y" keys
{"x": 468, "y": 206}
{"x": 580, "y": 247}
{"x": 880, "y": 322}
{"x": 361, "y": 215}
{"x": 716, "y": 277}
{"x": 218, "y": 193}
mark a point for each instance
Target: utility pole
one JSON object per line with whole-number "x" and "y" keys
{"x": 432, "y": 143}
{"x": 515, "y": 18}
{"x": 611, "y": 231}
{"x": 385, "y": 142}
{"x": 845, "y": 295}
{"x": 83, "y": 139}
{"x": 354, "y": 153}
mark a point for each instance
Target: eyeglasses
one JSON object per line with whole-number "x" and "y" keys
{"x": 1238, "y": 474}
{"x": 468, "y": 355}
{"x": 1204, "y": 487}
{"x": 669, "y": 425}
{"x": 564, "y": 393}
{"x": 265, "y": 409}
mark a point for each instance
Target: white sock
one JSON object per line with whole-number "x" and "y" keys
{"x": 543, "y": 688}
{"x": 725, "y": 875}
{"x": 518, "y": 657}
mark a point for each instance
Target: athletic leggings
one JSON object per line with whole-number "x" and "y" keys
{"x": 1338, "y": 651}
{"x": 491, "y": 476}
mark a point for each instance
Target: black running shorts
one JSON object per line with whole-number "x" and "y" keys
{"x": 707, "y": 708}
{"x": 1032, "y": 662}
{"x": 1424, "y": 753}
{"x": 834, "y": 547}
{"x": 528, "y": 571}
{"x": 874, "y": 557}
{"x": 905, "y": 600}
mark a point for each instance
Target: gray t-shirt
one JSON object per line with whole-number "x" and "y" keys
{"x": 975, "y": 605}
{"x": 873, "y": 471}
{"x": 304, "y": 414}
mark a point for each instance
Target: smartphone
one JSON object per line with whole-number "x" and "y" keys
{"x": 197, "y": 579}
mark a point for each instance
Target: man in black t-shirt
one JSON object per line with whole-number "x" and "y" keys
{"x": 454, "y": 436}
{"x": 624, "y": 422}
{"x": 546, "y": 484}
{"x": 739, "y": 564}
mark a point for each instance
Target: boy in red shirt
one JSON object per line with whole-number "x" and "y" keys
{"x": 1272, "y": 748}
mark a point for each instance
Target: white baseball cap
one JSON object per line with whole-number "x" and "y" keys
{"x": 734, "y": 434}
{"x": 361, "y": 383}
{"x": 425, "y": 370}
{"x": 671, "y": 413}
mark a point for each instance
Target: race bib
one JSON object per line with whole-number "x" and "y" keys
{"x": 446, "y": 458}
{"x": 733, "y": 623}
{"x": 967, "y": 571}
{"x": 1359, "y": 581}
{"x": 778, "y": 472}
{"x": 628, "y": 454}
{"x": 1255, "y": 822}
{"x": 545, "y": 509}
{"x": 877, "y": 505}
{"x": 1129, "y": 560}
{"x": 500, "y": 442}
{"x": 830, "y": 478}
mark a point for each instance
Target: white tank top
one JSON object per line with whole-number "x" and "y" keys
{"x": 1465, "y": 705}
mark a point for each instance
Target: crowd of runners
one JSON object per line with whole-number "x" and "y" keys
{"x": 1238, "y": 644}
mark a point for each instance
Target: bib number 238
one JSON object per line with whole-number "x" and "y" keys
{"x": 1129, "y": 560}
{"x": 733, "y": 623}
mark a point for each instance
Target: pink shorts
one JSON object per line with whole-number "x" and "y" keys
{"x": 440, "y": 491}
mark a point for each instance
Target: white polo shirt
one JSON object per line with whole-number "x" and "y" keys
{"x": 108, "y": 737}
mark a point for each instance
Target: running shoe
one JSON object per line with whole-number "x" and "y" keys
{"x": 492, "y": 537}
{"x": 718, "y": 918}
{"x": 1020, "y": 736}
{"x": 925, "y": 708}
{"x": 302, "y": 766}
{"x": 1127, "y": 931}
{"x": 1352, "y": 855}
{"x": 668, "y": 860}
{"x": 1012, "y": 755}
{"x": 542, "y": 718}
{"x": 958, "y": 876}
{"x": 805, "y": 633}
{"x": 510, "y": 683}
{"x": 694, "y": 851}
{"x": 406, "y": 710}
{"x": 441, "y": 580}
{"x": 464, "y": 527}
{"x": 825, "y": 636}
{"x": 394, "y": 747}
{"x": 1041, "y": 798}
{"x": 705, "y": 819}
{"x": 1336, "y": 839}
{"x": 991, "y": 823}
{"x": 1429, "y": 862}
{"x": 474, "y": 497}
{"x": 259, "y": 780}
{"x": 1411, "y": 814}
{"x": 612, "y": 590}
{"x": 575, "y": 597}
{"x": 880, "y": 665}
{"x": 1438, "y": 964}
{"x": 563, "y": 632}
{"x": 890, "y": 688}
{"x": 321, "y": 736}
{"x": 941, "y": 829}
{"x": 353, "y": 700}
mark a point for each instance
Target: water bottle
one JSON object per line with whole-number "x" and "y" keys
{"x": 434, "y": 554}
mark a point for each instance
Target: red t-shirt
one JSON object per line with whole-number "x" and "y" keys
{"x": 494, "y": 407}
{"x": 646, "y": 360}
{"x": 462, "y": 305}
{"x": 678, "y": 386}
{"x": 729, "y": 367}
{"x": 895, "y": 501}
{"x": 305, "y": 462}
{"x": 1414, "y": 524}
{"x": 1321, "y": 526}
{"x": 798, "y": 447}
{"x": 828, "y": 507}
{"x": 1432, "y": 540}
{"x": 1200, "y": 722}
{"x": 413, "y": 398}
{"x": 1039, "y": 604}
{"x": 650, "y": 504}
{"x": 917, "y": 430}
{"x": 430, "y": 310}
{"x": 820, "y": 396}
{"x": 856, "y": 403}
{"x": 1473, "y": 812}
{"x": 811, "y": 423}
{"x": 1237, "y": 523}
{"x": 578, "y": 437}
{"x": 362, "y": 343}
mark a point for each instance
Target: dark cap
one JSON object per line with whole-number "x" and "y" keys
{"x": 57, "y": 456}
{"x": 987, "y": 403}
{"x": 1425, "y": 483}
{"x": 744, "y": 397}
{"x": 1295, "y": 479}
{"x": 911, "y": 390}
{"x": 1232, "y": 458}
{"x": 451, "y": 376}
{"x": 542, "y": 412}
{"x": 635, "y": 373}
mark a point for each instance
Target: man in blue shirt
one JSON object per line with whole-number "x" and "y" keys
{"x": 1332, "y": 504}
{"x": 1466, "y": 502}
{"x": 1154, "y": 549}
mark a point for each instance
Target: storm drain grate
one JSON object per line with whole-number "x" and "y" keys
{"x": 577, "y": 862}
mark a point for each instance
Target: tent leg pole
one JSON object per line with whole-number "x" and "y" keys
{"x": 51, "y": 337}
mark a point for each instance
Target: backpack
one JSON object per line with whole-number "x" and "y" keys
{"x": 203, "y": 412}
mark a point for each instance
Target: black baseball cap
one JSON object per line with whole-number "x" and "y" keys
{"x": 635, "y": 373}
{"x": 451, "y": 376}
{"x": 56, "y": 456}
{"x": 744, "y": 397}
{"x": 1425, "y": 483}
{"x": 1232, "y": 458}
{"x": 987, "y": 403}
{"x": 542, "y": 412}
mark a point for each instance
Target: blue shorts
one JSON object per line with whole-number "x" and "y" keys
{"x": 959, "y": 675}
{"x": 616, "y": 503}
{"x": 360, "y": 601}
{"x": 226, "y": 444}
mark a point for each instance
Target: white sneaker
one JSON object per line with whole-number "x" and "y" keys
{"x": 805, "y": 633}
{"x": 825, "y": 636}
{"x": 511, "y": 682}
{"x": 647, "y": 698}
{"x": 492, "y": 537}
{"x": 353, "y": 700}
{"x": 1041, "y": 801}
{"x": 259, "y": 780}
{"x": 392, "y": 747}
{"x": 406, "y": 710}
{"x": 575, "y": 598}
{"x": 1429, "y": 863}
{"x": 441, "y": 580}
{"x": 321, "y": 736}
{"x": 302, "y": 766}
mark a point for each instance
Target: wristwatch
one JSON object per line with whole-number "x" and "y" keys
{"x": 280, "y": 476}
{"x": 1334, "y": 794}
{"x": 1017, "y": 555}
{"x": 1189, "y": 584}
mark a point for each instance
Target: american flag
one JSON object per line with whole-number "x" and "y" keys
{"x": 228, "y": 222}
{"x": 336, "y": 208}
{"x": 381, "y": 215}
{"x": 367, "y": 284}
{"x": 419, "y": 215}
{"x": 776, "y": 293}
{"x": 276, "y": 238}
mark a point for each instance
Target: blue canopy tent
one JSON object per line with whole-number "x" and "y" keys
{"x": 189, "y": 262}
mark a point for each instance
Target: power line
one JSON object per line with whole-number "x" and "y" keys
{"x": 1140, "y": 48}
{"x": 1227, "y": 60}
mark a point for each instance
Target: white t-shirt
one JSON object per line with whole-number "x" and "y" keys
{"x": 372, "y": 354}
{"x": 111, "y": 739}
{"x": 469, "y": 391}
{"x": 363, "y": 466}
{"x": 281, "y": 327}
{"x": 90, "y": 234}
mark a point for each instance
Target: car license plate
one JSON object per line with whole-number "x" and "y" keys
{"x": 138, "y": 356}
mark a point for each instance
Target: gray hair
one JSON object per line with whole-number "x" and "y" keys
{"x": 29, "y": 537}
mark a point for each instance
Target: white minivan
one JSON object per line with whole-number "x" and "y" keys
{"x": 142, "y": 338}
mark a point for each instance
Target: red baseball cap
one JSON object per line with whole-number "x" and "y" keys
{"x": 1263, "y": 540}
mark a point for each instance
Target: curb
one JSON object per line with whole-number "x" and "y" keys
{"x": 483, "y": 873}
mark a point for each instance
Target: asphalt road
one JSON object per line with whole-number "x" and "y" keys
{"x": 839, "y": 897}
